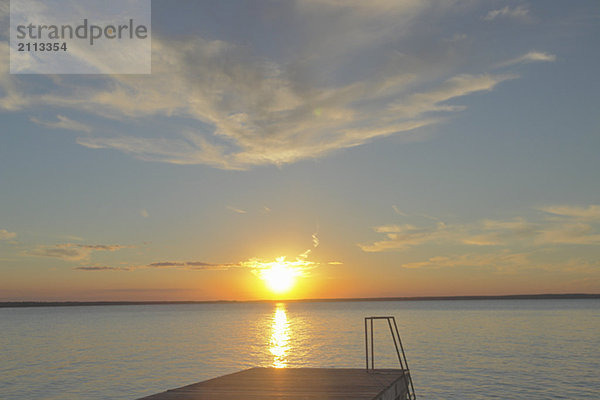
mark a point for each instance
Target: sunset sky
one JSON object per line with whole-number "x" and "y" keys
{"x": 383, "y": 148}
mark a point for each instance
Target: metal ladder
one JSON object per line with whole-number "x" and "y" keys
{"x": 399, "y": 351}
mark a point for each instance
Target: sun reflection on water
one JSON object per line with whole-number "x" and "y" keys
{"x": 280, "y": 337}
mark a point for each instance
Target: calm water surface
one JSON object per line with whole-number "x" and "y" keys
{"x": 532, "y": 349}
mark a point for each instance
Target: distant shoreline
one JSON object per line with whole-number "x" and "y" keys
{"x": 16, "y": 304}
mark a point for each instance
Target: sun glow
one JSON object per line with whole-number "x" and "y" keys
{"x": 281, "y": 275}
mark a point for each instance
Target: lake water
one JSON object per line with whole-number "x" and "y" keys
{"x": 510, "y": 349}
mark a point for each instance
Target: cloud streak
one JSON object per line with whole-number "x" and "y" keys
{"x": 589, "y": 213}
{"x": 236, "y": 210}
{"x": 189, "y": 265}
{"x": 73, "y": 251}
{"x": 63, "y": 123}
{"x": 519, "y": 13}
{"x": 100, "y": 268}
{"x": 532, "y": 56}
{"x": 6, "y": 235}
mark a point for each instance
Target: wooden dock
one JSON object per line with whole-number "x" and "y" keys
{"x": 296, "y": 384}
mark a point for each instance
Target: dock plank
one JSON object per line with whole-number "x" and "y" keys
{"x": 294, "y": 383}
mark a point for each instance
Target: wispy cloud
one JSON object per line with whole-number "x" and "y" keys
{"x": 6, "y": 235}
{"x": 569, "y": 233}
{"x": 495, "y": 233}
{"x": 532, "y": 56}
{"x": 63, "y": 123}
{"x": 567, "y": 225}
{"x": 589, "y": 213}
{"x": 496, "y": 260}
{"x": 73, "y": 251}
{"x": 182, "y": 265}
{"x": 189, "y": 265}
{"x": 519, "y": 12}
{"x": 236, "y": 210}
{"x": 400, "y": 237}
{"x": 397, "y": 211}
{"x": 240, "y": 109}
{"x": 315, "y": 240}
{"x": 100, "y": 268}
{"x": 457, "y": 86}
{"x": 144, "y": 213}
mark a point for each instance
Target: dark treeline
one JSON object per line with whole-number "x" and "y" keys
{"x": 425, "y": 298}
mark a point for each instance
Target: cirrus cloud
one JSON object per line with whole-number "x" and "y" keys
{"x": 231, "y": 105}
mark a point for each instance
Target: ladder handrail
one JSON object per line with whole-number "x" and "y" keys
{"x": 399, "y": 350}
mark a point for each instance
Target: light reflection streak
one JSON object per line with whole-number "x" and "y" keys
{"x": 280, "y": 337}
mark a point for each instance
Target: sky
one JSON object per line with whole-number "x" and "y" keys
{"x": 375, "y": 149}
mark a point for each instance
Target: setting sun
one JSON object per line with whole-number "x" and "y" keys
{"x": 279, "y": 278}
{"x": 280, "y": 275}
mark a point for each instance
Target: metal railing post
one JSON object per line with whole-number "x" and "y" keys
{"x": 366, "y": 346}
{"x": 399, "y": 352}
{"x": 372, "y": 347}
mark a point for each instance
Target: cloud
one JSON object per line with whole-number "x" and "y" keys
{"x": 301, "y": 264}
{"x": 144, "y": 213}
{"x": 232, "y": 105}
{"x": 515, "y": 225}
{"x": 6, "y": 235}
{"x": 489, "y": 239}
{"x": 457, "y": 86}
{"x": 405, "y": 236}
{"x": 73, "y": 251}
{"x": 181, "y": 265}
{"x": 569, "y": 225}
{"x": 532, "y": 56}
{"x": 264, "y": 120}
{"x": 101, "y": 268}
{"x": 243, "y": 110}
{"x": 498, "y": 260}
{"x": 397, "y": 211}
{"x": 315, "y": 240}
{"x": 569, "y": 233}
{"x": 166, "y": 264}
{"x": 520, "y": 13}
{"x": 189, "y": 265}
{"x": 236, "y": 210}
{"x": 494, "y": 233}
{"x": 63, "y": 123}
{"x": 589, "y": 213}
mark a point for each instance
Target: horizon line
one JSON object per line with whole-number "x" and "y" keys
{"x": 76, "y": 303}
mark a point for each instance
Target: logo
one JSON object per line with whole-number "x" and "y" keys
{"x": 80, "y": 37}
